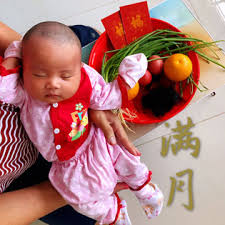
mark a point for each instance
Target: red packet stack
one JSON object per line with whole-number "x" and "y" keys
{"x": 114, "y": 28}
{"x": 128, "y": 24}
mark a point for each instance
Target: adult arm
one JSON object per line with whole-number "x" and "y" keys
{"x": 24, "y": 206}
{"x": 7, "y": 35}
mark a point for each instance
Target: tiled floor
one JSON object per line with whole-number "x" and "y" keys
{"x": 208, "y": 115}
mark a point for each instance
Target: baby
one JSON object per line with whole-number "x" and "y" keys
{"x": 54, "y": 94}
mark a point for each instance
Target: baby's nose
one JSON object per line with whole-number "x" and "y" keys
{"x": 53, "y": 83}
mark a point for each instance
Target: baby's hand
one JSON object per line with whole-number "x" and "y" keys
{"x": 10, "y": 63}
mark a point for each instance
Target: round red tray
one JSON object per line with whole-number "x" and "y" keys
{"x": 144, "y": 116}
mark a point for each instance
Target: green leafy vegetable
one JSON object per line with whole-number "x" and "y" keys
{"x": 159, "y": 42}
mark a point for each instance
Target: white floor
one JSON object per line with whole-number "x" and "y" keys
{"x": 21, "y": 15}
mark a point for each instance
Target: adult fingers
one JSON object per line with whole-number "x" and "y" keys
{"x": 102, "y": 119}
{"x": 122, "y": 137}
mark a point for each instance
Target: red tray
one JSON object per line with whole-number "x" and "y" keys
{"x": 144, "y": 116}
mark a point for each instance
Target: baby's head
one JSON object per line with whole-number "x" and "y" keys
{"x": 51, "y": 55}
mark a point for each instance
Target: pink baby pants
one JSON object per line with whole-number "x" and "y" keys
{"x": 87, "y": 180}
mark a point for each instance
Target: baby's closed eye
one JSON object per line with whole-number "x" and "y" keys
{"x": 66, "y": 76}
{"x": 39, "y": 75}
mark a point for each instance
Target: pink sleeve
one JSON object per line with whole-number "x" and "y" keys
{"x": 132, "y": 68}
{"x": 11, "y": 90}
{"x": 112, "y": 95}
{"x": 104, "y": 95}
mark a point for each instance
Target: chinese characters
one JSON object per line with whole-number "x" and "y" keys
{"x": 178, "y": 185}
{"x": 181, "y": 139}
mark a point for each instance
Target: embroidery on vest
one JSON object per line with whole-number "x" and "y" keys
{"x": 80, "y": 120}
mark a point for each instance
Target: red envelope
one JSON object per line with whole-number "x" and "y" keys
{"x": 136, "y": 20}
{"x": 114, "y": 29}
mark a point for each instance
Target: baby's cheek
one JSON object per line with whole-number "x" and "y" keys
{"x": 70, "y": 90}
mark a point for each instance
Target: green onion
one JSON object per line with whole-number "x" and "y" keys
{"x": 159, "y": 42}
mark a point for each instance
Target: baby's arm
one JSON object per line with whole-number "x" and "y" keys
{"x": 12, "y": 56}
{"x": 10, "y": 86}
{"x": 114, "y": 95}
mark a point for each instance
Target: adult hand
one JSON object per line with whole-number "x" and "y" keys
{"x": 112, "y": 129}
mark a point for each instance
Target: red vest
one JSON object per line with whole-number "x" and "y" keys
{"x": 70, "y": 120}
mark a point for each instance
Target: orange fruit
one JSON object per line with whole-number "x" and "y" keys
{"x": 178, "y": 67}
{"x": 133, "y": 92}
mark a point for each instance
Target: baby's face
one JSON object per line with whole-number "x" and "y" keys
{"x": 51, "y": 72}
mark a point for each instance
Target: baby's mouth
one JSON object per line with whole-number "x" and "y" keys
{"x": 52, "y": 95}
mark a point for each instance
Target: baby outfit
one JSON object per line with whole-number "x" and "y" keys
{"x": 85, "y": 168}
